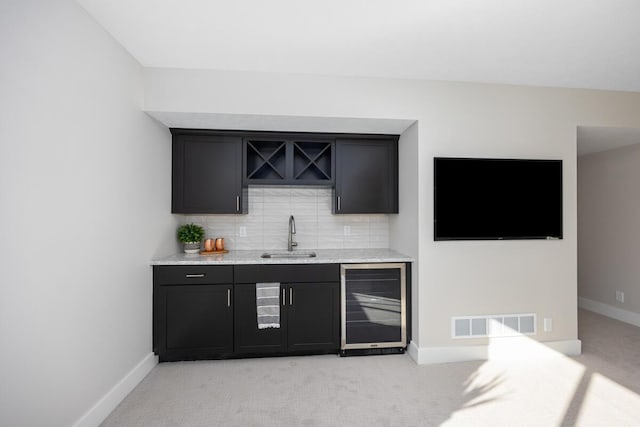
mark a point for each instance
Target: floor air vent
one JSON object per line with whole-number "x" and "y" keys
{"x": 495, "y": 325}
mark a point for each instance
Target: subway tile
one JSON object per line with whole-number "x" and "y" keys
{"x": 306, "y": 217}
{"x": 317, "y": 228}
{"x": 379, "y": 240}
{"x": 244, "y": 243}
{"x": 355, "y": 242}
{"x": 256, "y": 192}
{"x": 328, "y": 217}
{"x": 269, "y": 192}
{"x": 308, "y": 202}
{"x": 274, "y": 229}
{"x": 324, "y": 205}
{"x": 220, "y": 220}
{"x": 276, "y": 243}
{"x": 355, "y": 219}
{"x": 329, "y": 241}
{"x": 324, "y": 193}
{"x": 195, "y": 219}
{"x": 304, "y": 211}
{"x": 230, "y": 243}
{"x": 306, "y": 240}
{"x": 255, "y": 207}
{"x": 304, "y": 192}
{"x": 277, "y": 208}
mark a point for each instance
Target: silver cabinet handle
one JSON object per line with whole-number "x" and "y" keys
{"x": 237, "y": 203}
{"x": 194, "y": 276}
{"x": 284, "y": 297}
{"x": 228, "y": 297}
{"x": 338, "y": 203}
{"x": 290, "y": 296}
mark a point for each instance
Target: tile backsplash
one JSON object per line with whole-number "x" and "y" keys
{"x": 266, "y": 224}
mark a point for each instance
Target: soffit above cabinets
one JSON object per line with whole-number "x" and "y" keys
{"x": 281, "y": 123}
{"x": 594, "y": 139}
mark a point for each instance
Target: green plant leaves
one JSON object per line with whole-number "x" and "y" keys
{"x": 190, "y": 233}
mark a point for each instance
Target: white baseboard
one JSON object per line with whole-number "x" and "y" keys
{"x": 99, "y": 412}
{"x": 413, "y": 351}
{"x": 508, "y": 348}
{"x": 620, "y": 314}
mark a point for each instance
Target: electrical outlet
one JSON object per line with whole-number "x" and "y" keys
{"x": 347, "y": 230}
{"x": 619, "y": 296}
{"x": 242, "y": 231}
{"x": 548, "y": 324}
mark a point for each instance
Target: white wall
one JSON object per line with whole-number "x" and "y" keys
{"x": 454, "y": 119}
{"x": 609, "y": 227}
{"x": 85, "y": 205}
{"x": 405, "y": 225}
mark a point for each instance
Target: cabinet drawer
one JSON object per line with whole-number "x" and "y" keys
{"x": 192, "y": 274}
{"x": 300, "y": 273}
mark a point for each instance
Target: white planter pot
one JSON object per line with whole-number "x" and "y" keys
{"x": 191, "y": 247}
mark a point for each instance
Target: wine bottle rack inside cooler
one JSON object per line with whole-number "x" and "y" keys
{"x": 373, "y": 306}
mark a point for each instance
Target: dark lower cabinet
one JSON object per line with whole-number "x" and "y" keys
{"x": 309, "y": 309}
{"x": 198, "y": 320}
{"x": 309, "y": 319}
{"x": 209, "y": 312}
{"x": 248, "y": 338}
{"x": 313, "y": 317}
{"x": 192, "y": 312}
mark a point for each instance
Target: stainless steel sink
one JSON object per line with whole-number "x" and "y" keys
{"x": 288, "y": 255}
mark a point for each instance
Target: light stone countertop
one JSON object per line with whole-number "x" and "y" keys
{"x": 324, "y": 256}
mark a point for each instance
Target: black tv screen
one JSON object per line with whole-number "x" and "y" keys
{"x": 486, "y": 199}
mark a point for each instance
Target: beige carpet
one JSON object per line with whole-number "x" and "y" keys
{"x": 599, "y": 388}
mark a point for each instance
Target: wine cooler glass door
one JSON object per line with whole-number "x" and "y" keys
{"x": 373, "y": 305}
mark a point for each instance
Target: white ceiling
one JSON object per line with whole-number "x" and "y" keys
{"x": 566, "y": 43}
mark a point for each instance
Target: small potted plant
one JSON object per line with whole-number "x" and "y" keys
{"x": 190, "y": 235}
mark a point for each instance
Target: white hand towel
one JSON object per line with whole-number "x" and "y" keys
{"x": 268, "y": 305}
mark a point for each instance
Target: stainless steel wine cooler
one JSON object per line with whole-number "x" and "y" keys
{"x": 374, "y": 306}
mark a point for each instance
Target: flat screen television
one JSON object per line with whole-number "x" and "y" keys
{"x": 495, "y": 199}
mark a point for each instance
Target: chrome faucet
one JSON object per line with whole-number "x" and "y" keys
{"x": 292, "y": 231}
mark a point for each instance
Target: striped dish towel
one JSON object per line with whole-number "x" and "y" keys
{"x": 268, "y": 305}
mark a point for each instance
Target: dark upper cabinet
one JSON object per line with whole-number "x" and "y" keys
{"x": 206, "y": 173}
{"x": 366, "y": 176}
{"x": 288, "y": 159}
{"x": 193, "y": 312}
{"x": 212, "y": 169}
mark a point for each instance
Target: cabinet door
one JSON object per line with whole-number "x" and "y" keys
{"x": 197, "y": 320}
{"x": 313, "y": 316}
{"x": 248, "y": 338}
{"x": 206, "y": 174}
{"x": 366, "y": 176}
